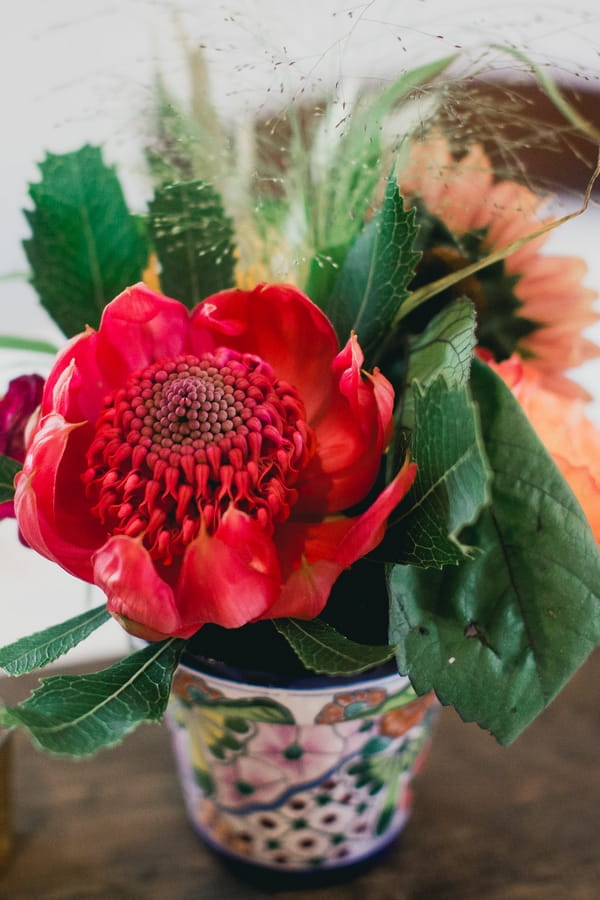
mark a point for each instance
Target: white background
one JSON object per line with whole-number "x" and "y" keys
{"x": 74, "y": 71}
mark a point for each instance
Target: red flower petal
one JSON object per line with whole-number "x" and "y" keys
{"x": 231, "y": 577}
{"x": 137, "y": 597}
{"x": 60, "y": 529}
{"x": 140, "y": 327}
{"x": 314, "y": 555}
{"x": 350, "y": 438}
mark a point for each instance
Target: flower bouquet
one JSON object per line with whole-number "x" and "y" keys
{"x": 313, "y": 414}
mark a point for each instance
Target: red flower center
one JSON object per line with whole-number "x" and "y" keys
{"x": 187, "y": 438}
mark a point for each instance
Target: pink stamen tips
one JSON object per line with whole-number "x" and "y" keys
{"x": 187, "y": 438}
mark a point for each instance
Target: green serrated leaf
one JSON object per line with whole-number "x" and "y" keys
{"x": 374, "y": 279}
{"x": 498, "y": 636}
{"x": 445, "y": 346}
{"x": 43, "y": 647}
{"x": 8, "y": 469}
{"x": 324, "y": 650}
{"x": 85, "y": 246}
{"x": 77, "y": 715}
{"x": 452, "y": 482}
{"x": 193, "y": 239}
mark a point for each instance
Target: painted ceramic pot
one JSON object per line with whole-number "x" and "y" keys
{"x": 302, "y": 778}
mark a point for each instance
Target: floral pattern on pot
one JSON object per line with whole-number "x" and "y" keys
{"x": 298, "y": 779}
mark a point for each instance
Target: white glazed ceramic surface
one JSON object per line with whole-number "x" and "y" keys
{"x": 298, "y": 779}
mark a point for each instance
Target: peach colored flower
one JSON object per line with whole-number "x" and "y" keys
{"x": 560, "y": 422}
{"x": 465, "y": 196}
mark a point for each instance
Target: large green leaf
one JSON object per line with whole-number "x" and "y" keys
{"x": 193, "y": 239}
{"x": 498, "y": 636}
{"x": 437, "y": 410}
{"x": 85, "y": 246}
{"x": 452, "y": 481}
{"x": 8, "y": 469}
{"x": 374, "y": 279}
{"x": 77, "y": 715}
{"x": 43, "y": 647}
{"x": 324, "y": 650}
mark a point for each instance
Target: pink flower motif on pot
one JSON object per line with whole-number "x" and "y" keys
{"x": 279, "y": 756}
{"x": 197, "y": 465}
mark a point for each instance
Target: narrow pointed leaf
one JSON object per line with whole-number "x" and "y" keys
{"x": 193, "y": 238}
{"x": 374, "y": 279}
{"x": 8, "y": 469}
{"x": 324, "y": 650}
{"x": 14, "y": 342}
{"x": 77, "y": 715}
{"x": 85, "y": 246}
{"x": 43, "y": 647}
{"x": 498, "y": 636}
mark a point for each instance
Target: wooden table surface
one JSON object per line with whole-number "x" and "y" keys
{"x": 490, "y": 823}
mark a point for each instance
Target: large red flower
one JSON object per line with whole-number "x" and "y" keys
{"x": 196, "y": 466}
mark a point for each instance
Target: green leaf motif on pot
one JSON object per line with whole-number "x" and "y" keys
{"x": 193, "y": 238}
{"x": 85, "y": 246}
{"x": 43, "y": 647}
{"x": 381, "y": 766}
{"x": 221, "y": 727}
{"x": 76, "y": 715}
{"x": 499, "y": 635}
{"x": 235, "y": 714}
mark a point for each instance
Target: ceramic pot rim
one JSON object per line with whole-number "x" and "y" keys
{"x": 297, "y": 681}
